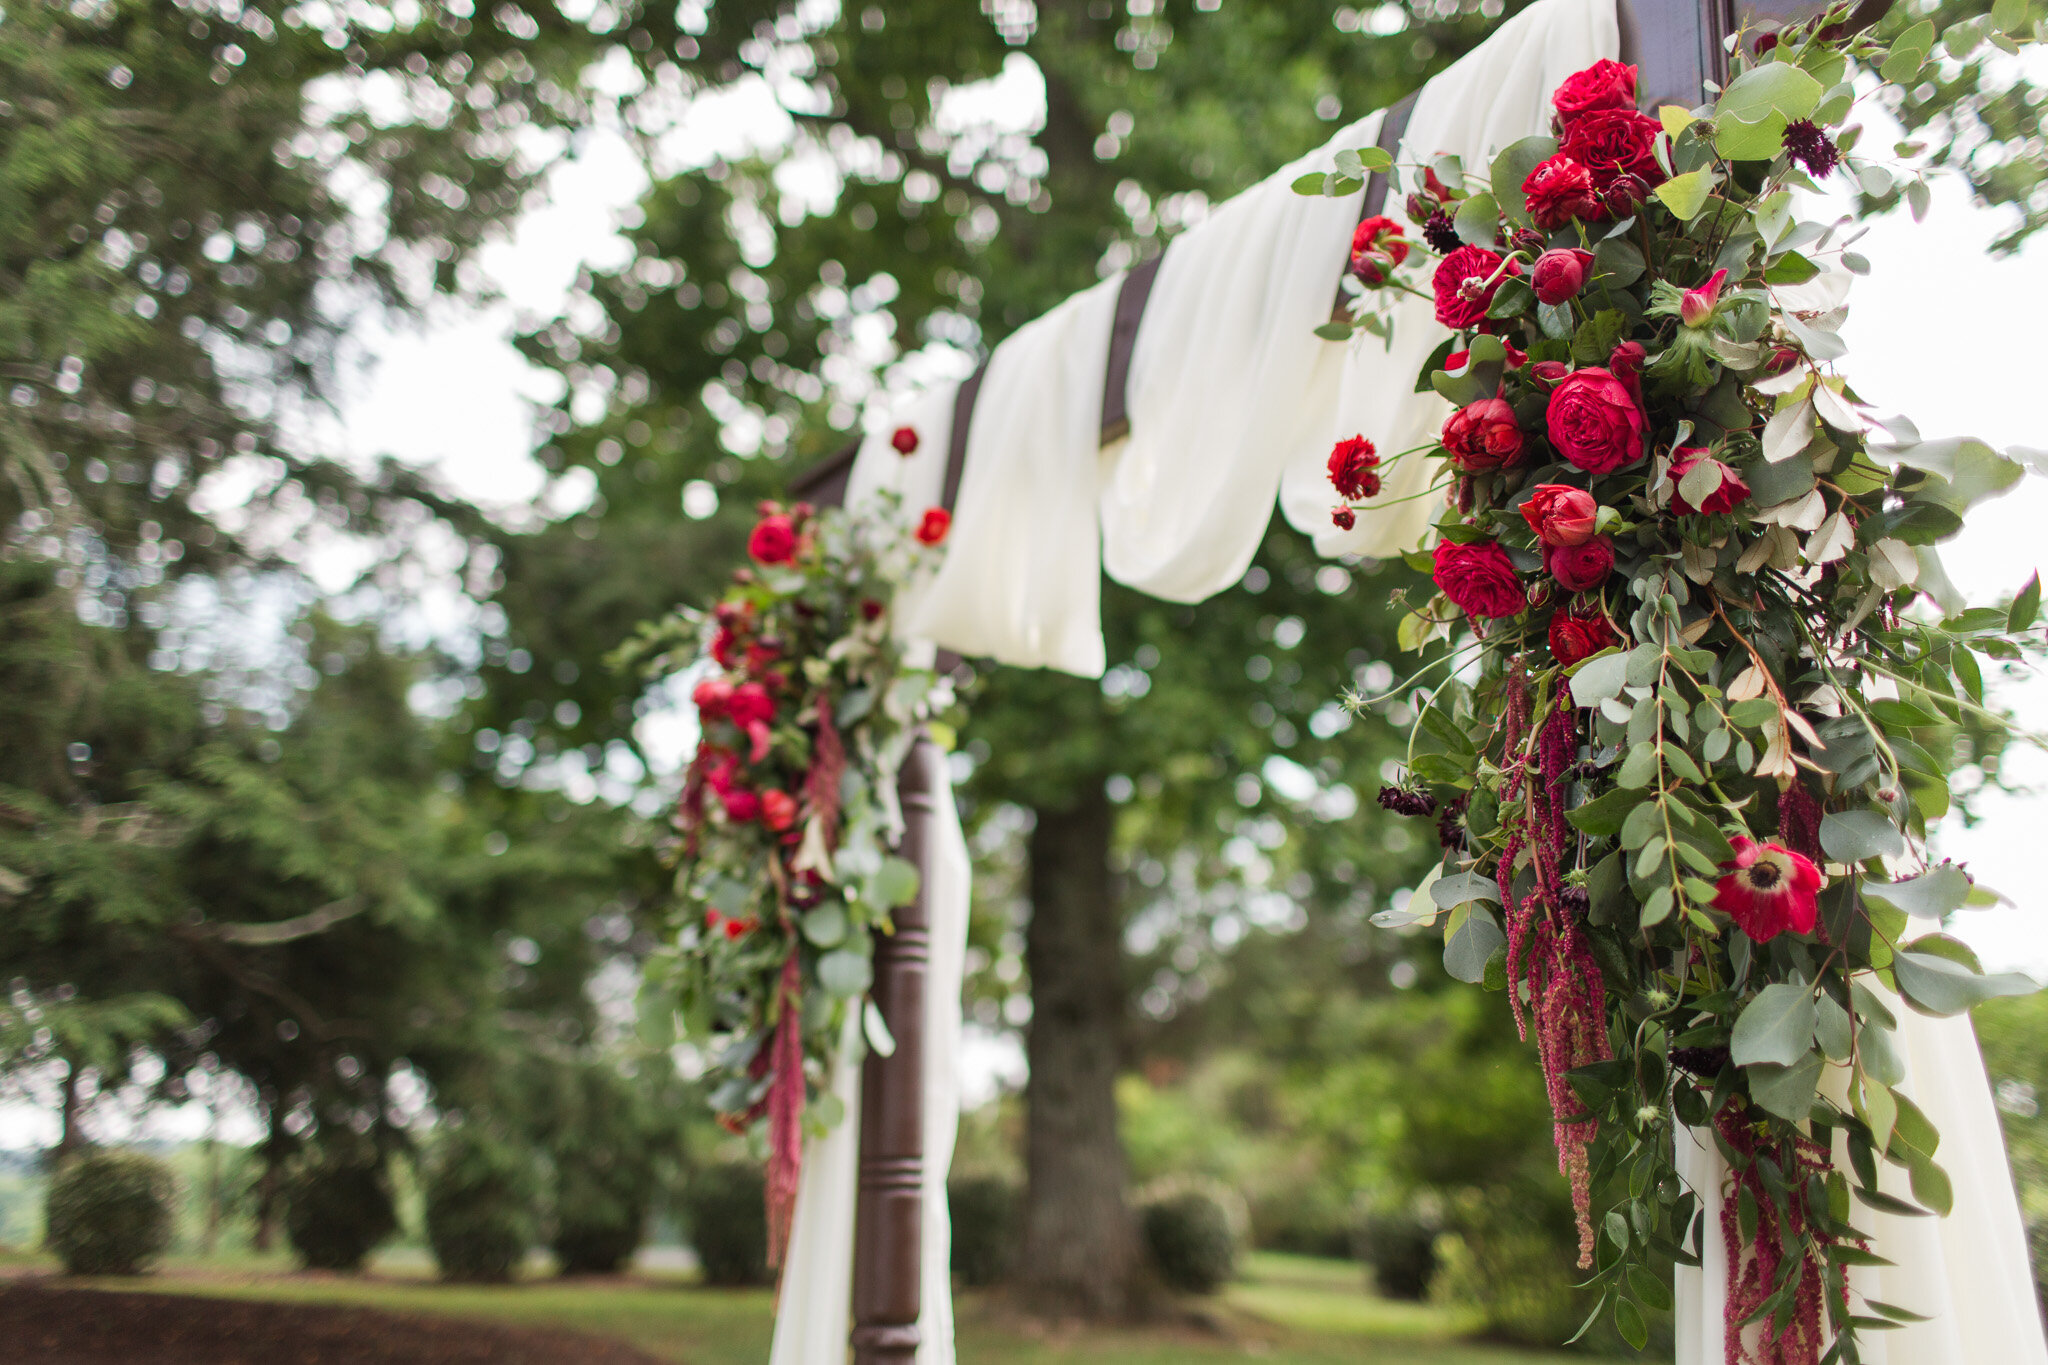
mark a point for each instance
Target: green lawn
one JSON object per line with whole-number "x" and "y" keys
{"x": 1287, "y": 1309}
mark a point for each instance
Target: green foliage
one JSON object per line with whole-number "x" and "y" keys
{"x": 610, "y": 1149}
{"x": 1508, "y": 1259}
{"x": 727, "y": 1223}
{"x": 481, "y": 1192}
{"x": 338, "y": 1205}
{"x": 1190, "y": 1241}
{"x": 987, "y": 1228}
{"x": 109, "y": 1212}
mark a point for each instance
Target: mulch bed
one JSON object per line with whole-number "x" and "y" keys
{"x": 49, "y": 1324}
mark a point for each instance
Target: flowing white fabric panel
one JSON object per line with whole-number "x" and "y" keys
{"x": 813, "y": 1311}
{"x": 1967, "y": 1271}
{"x": 1495, "y": 95}
{"x": 1021, "y": 581}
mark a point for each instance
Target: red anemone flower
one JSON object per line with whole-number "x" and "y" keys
{"x": 1769, "y": 889}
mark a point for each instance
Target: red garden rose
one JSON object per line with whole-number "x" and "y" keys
{"x": 1376, "y": 248}
{"x": 1584, "y": 566}
{"x": 1480, "y": 578}
{"x": 773, "y": 540}
{"x": 741, "y": 805}
{"x": 1353, "y": 468}
{"x": 932, "y": 528}
{"x": 1769, "y": 889}
{"x": 1611, "y": 143}
{"x": 1603, "y": 85}
{"x": 1559, "y": 275}
{"x": 713, "y": 697}
{"x": 904, "y": 440}
{"x": 1732, "y": 492}
{"x": 1483, "y": 435}
{"x": 1580, "y": 635}
{"x": 1560, "y": 514}
{"x": 1594, "y": 422}
{"x": 1559, "y": 190}
{"x": 778, "y": 809}
{"x": 1343, "y": 518}
{"x": 1461, "y": 285}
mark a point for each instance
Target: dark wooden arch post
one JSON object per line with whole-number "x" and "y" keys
{"x": 888, "y": 1242}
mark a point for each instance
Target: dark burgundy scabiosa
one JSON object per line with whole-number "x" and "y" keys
{"x": 1450, "y": 831}
{"x": 1808, "y": 146}
{"x": 1407, "y": 800}
{"x": 1441, "y": 236}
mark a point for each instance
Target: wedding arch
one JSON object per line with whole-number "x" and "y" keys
{"x": 1746, "y": 1041}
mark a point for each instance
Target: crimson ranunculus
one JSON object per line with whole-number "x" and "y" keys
{"x": 1595, "y": 423}
{"x": 1461, "y": 285}
{"x": 1376, "y": 248}
{"x": 1584, "y": 566}
{"x": 778, "y": 809}
{"x": 1769, "y": 889}
{"x": 1605, "y": 84}
{"x": 1559, "y": 190}
{"x": 1560, "y": 514}
{"x": 1560, "y": 274}
{"x": 932, "y": 527}
{"x": 773, "y": 541}
{"x": 1575, "y": 635}
{"x": 1732, "y": 492}
{"x": 1343, "y": 518}
{"x": 1611, "y": 143}
{"x": 1480, "y": 578}
{"x": 1353, "y": 468}
{"x": 904, "y": 440}
{"x": 1483, "y": 435}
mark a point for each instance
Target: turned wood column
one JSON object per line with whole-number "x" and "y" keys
{"x": 889, "y": 1212}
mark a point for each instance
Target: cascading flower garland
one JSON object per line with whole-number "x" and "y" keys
{"x": 785, "y": 829}
{"x": 1703, "y": 661}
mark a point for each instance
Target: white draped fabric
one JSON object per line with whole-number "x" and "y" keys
{"x": 813, "y": 1311}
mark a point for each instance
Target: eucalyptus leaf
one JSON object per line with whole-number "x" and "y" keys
{"x": 1929, "y": 896}
{"x": 1852, "y": 836}
{"x": 1787, "y": 1091}
{"x": 845, "y": 973}
{"x": 1470, "y": 941}
{"x": 1938, "y": 986}
{"x": 1776, "y": 1027}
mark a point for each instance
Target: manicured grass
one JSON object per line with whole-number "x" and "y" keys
{"x": 1286, "y": 1309}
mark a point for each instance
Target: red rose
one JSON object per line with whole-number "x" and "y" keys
{"x": 740, "y": 805}
{"x": 1584, "y": 566}
{"x": 1376, "y": 248}
{"x": 870, "y": 609}
{"x": 1769, "y": 889}
{"x": 1594, "y": 422}
{"x": 1559, "y": 275}
{"x": 904, "y": 439}
{"x": 1603, "y": 85}
{"x": 1560, "y": 514}
{"x": 1611, "y": 143}
{"x": 713, "y": 697}
{"x": 1483, "y": 435}
{"x": 1480, "y": 578}
{"x": 1575, "y": 636}
{"x": 751, "y": 708}
{"x": 773, "y": 541}
{"x": 1352, "y": 468}
{"x": 1559, "y": 190}
{"x": 1343, "y": 518}
{"x": 778, "y": 809}
{"x": 934, "y": 525}
{"x": 1461, "y": 285}
{"x": 1723, "y": 499}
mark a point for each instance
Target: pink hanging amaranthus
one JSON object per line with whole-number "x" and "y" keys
{"x": 1756, "y": 1264}
{"x": 785, "y": 1111}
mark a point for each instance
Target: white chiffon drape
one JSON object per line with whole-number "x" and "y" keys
{"x": 814, "y": 1306}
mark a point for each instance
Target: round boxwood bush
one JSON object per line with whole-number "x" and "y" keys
{"x": 607, "y": 1148}
{"x": 986, "y": 1212}
{"x": 1399, "y": 1242}
{"x": 338, "y": 1207}
{"x": 1191, "y": 1242}
{"x": 109, "y": 1213}
{"x": 728, "y": 1223}
{"x": 480, "y": 1205}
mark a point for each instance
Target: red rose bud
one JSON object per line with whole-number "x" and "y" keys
{"x": 1480, "y": 579}
{"x": 1549, "y": 371}
{"x": 1529, "y": 241}
{"x": 778, "y": 809}
{"x": 1483, "y": 435}
{"x": 773, "y": 540}
{"x": 1603, "y": 85}
{"x": 904, "y": 439}
{"x": 1624, "y": 192}
{"x": 1626, "y": 361}
{"x": 1768, "y": 890}
{"x": 1352, "y": 468}
{"x": 1343, "y": 518}
{"x": 1376, "y": 248}
{"x": 1594, "y": 422}
{"x": 1576, "y": 636}
{"x": 1559, "y": 190}
{"x": 1464, "y": 284}
{"x": 1696, "y": 307}
{"x": 1422, "y": 206}
{"x": 1583, "y": 567}
{"x": 870, "y": 609}
{"x": 1725, "y": 498}
{"x": 1782, "y": 359}
{"x": 1559, "y": 275}
{"x": 1559, "y": 514}
{"x": 934, "y": 525}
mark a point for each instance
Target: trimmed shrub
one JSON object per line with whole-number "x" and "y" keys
{"x": 1507, "y": 1255}
{"x": 987, "y": 1213}
{"x": 1191, "y": 1242}
{"x": 1399, "y": 1242}
{"x": 338, "y": 1207}
{"x": 607, "y": 1147}
{"x": 480, "y": 1202}
{"x": 728, "y": 1223}
{"x": 109, "y": 1213}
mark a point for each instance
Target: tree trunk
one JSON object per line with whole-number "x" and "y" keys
{"x": 1079, "y": 1243}
{"x": 70, "y": 1136}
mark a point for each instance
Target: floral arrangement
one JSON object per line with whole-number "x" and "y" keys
{"x": 785, "y": 829}
{"x": 1703, "y": 666}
